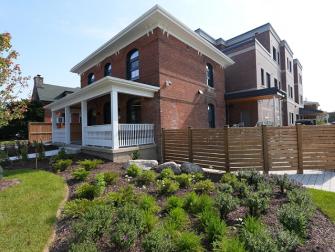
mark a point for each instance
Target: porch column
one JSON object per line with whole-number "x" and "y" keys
{"x": 83, "y": 122}
{"x": 53, "y": 125}
{"x": 115, "y": 119}
{"x": 67, "y": 125}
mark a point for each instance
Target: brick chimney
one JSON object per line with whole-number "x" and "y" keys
{"x": 38, "y": 81}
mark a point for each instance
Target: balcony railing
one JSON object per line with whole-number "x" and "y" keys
{"x": 136, "y": 134}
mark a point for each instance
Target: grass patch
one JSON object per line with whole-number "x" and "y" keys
{"x": 28, "y": 210}
{"x": 325, "y": 201}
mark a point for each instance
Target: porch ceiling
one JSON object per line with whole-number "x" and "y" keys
{"x": 104, "y": 86}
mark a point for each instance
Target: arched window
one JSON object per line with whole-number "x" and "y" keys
{"x": 209, "y": 75}
{"x": 107, "y": 113}
{"x": 108, "y": 69}
{"x": 211, "y": 116}
{"x": 133, "y": 62}
{"x": 134, "y": 111}
{"x": 90, "y": 78}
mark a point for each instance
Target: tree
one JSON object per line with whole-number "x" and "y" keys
{"x": 12, "y": 83}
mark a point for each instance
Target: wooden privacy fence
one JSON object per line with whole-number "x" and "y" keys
{"x": 39, "y": 131}
{"x": 263, "y": 148}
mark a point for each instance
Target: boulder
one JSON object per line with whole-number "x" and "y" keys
{"x": 142, "y": 163}
{"x": 187, "y": 167}
{"x": 174, "y": 166}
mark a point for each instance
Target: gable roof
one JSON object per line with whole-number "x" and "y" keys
{"x": 153, "y": 18}
{"x": 50, "y": 93}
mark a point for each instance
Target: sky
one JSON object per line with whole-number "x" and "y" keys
{"x": 53, "y": 36}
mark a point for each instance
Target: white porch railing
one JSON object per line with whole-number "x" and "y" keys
{"x": 135, "y": 134}
{"x": 99, "y": 135}
{"x": 58, "y": 135}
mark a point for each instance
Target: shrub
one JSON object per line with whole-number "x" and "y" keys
{"x": 90, "y": 164}
{"x": 124, "y": 235}
{"x": 229, "y": 178}
{"x": 287, "y": 241}
{"x": 78, "y": 207}
{"x": 131, "y": 214}
{"x": 134, "y": 171}
{"x": 257, "y": 203}
{"x": 166, "y": 173}
{"x": 123, "y": 196}
{"x": 149, "y": 220}
{"x": 22, "y": 150}
{"x": 86, "y": 246}
{"x": 39, "y": 149}
{"x": 184, "y": 180}
{"x": 252, "y": 177}
{"x": 196, "y": 204}
{"x": 146, "y": 178}
{"x": 111, "y": 178}
{"x": 174, "y": 202}
{"x": 299, "y": 196}
{"x": 167, "y": 186}
{"x": 225, "y": 188}
{"x": 188, "y": 242}
{"x": 256, "y": 237}
{"x": 226, "y": 203}
{"x": 158, "y": 240}
{"x": 148, "y": 203}
{"x": 100, "y": 183}
{"x": 61, "y": 154}
{"x": 80, "y": 174}
{"x": 61, "y": 165}
{"x": 93, "y": 224}
{"x": 212, "y": 224}
{"x": 225, "y": 244}
{"x": 293, "y": 217}
{"x": 177, "y": 219}
{"x": 264, "y": 189}
{"x": 204, "y": 186}
{"x": 242, "y": 189}
{"x": 86, "y": 191}
{"x": 197, "y": 176}
{"x": 283, "y": 182}
{"x": 135, "y": 155}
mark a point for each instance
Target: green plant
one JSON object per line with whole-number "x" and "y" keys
{"x": 241, "y": 188}
{"x": 158, "y": 240}
{"x": 39, "y": 148}
{"x": 212, "y": 224}
{"x": 146, "y": 178}
{"x": 86, "y": 246}
{"x": 80, "y": 174}
{"x": 135, "y": 155}
{"x": 257, "y": 203}
{"x": 265, "y": 189}
{"x": 22, "y": 150}
{"x": 293, "y": 217}
{"x": 167, "y": 186}
{"x": 100, "y": 183}
{"x": 252, "y": 177}
{"x": 184, "y": 180}
{"x": 174, "y": 202}
{"x": 299, "y": 196}
{"x": 194, "y": 203}
{"x": 62, "y": 154}
{"x": 283, "y": 182}
{"x": 124, "y": 235}
{"x": 61, "y": 165}
{"x": 149, "y": 220}
{"x": 197, "y": 176}
{"x": 78, "y": 207}
{"x": 226, "y": 203}
{"x": 124, "y": 195}
{"x": 133, "y": 170}
{"x": 111, "y": 178}
{"x": 177, "y": 219}
{"x": 90, "y": 164}
{"x": 287, "y": 241}
{"x": 227, "y": 244}
{"x": 204, "y": 186}
{"x": 225, "y": 188}
{"x": 229, "y": 178}
{"x": 256, "y": 237}
{"x": 166, "y": 173}
{"x": 86, "y": 191}
{"x": 148, "y": 203}
{"x": 188, "y": 242}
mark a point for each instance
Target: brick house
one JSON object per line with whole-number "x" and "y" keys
{"x": 264, "y": 86}
{"x": 156, "y": 73}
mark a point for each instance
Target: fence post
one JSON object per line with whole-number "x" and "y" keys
{"x": 190, "y": 147}
{"x": 265, "y": 150}
{"x": 163, "y": 145}
{"x": 29, "y": 131}
{"x": 226, "y": 147}
{"x": 300, "y": 153}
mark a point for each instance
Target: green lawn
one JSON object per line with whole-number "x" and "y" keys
{"x": 28, "y": 210}
{"x": 325, "y": 201}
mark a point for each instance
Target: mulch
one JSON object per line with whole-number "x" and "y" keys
{"x": 5, "y": 183}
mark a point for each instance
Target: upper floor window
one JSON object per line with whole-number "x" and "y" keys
{"x": 211, "y": 116}
{"x": 209, "y": 75}
{"x": 274, "y": 54}
{"x": 133, "y": 62}
{"x": 262, "y": 76}
{"x": 268, "y": 79}
{"x": 300, "y": 79}
{"x": 90, "y": 78}
{"x": 290, "y": 92}
{"x": 291, "y": 66}
{"x": 276, "y": 82}
{"x": 278, "y": 60}
{"x": 108, "y": 69}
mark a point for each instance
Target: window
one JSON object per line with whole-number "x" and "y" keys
{"x": 211, "y": 116}
{"x": 276, "y": 82}
{"x": 290, "y": 92}
{"x": 107, "y": 113}
{"x": 291, "y": 115}
{"x": 274, "y": 54}
{"x": 262, "y": 76}
{"x": 134, "y": 110}
{"x": 209, "y": 75}
{"x": 287, "y": 64}
{"x": 300, "y": 79}
{"x": 290, "y": 66}
{"x": 90, "y": 78}
{"x": 280, "y": 85}
{"x": 108, "y": 69}
{"x": 268, "y": 80}
{"x": 133, "y": 72}
{"x": 278, "y": 58}
{"x": 301, "y": 99}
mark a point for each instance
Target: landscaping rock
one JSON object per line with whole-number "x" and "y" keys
{"x": 174, "y": 166}
{"x": 143, "y": 164}
{"x": 187, "y": 167}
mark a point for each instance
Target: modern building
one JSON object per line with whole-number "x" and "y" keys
{"x": 311, "y": 112}
{"x": 264, "y": 86}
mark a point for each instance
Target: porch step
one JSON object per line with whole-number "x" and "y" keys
{"x": 72, "y": 149}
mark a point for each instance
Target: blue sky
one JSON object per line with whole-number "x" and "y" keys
{"x": 53, "y": 36}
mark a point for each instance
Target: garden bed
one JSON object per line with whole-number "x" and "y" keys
{"x": 140, "y": 213}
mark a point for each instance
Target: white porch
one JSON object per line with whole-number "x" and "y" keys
{"x": 70, "y": 115}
